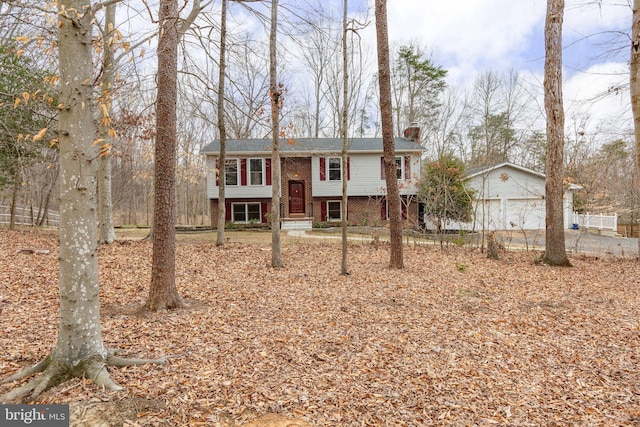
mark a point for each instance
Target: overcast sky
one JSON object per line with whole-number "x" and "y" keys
{"x": 471, "y": 35}
{"x": 468, "y": 37}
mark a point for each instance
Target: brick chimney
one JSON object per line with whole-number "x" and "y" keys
{"x": 413, "y": 132}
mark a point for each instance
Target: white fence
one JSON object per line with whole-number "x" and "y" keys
{"x": 599, "y": 222}
{"x": 27, "y": 217}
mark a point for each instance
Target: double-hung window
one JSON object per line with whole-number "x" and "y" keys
{"x": 246, "y": 212}
{"x": 231, "y": 172}
{"x": 403, "y": 167}
{"x": 384, "y": 209}
{"x": 399, "y": 169}
{"x": 334, "y": 210}
{"x": 331, "y": 210}
{"x": 256, "y": 171}
{"x": 331, "y": 168}
{"x": 241, "y": 172}
{"x": 335, "y": 168}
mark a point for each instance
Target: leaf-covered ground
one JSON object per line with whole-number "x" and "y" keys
{"x": 453, "y": 339}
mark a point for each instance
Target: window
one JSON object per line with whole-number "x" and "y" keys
{"x": 255, "y": 171}
{"x": 334, "y": 210}
{"x": 384, "y": 209}
{"x": 331, "y": 167}
{"x": 231, "y": 172}
{"x": 403, "y": 167}
{"x": 246, "y": 212}
{"x": 335, "y": 168}
{"x": 331, "y": 210}
{"x": 399, "y": 167}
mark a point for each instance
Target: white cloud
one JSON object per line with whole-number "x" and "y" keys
{"x": 468, "y": 36}
{"x": 471, "y": 36}
{"x": 601, "y": 94}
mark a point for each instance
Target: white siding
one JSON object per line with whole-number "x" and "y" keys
{"x": 514, "y": 184}
{"x": 233, "y": 191}
{"x": 366, "y": 179}
{"x": 525, "y": 214}
{"x": 516, "y": 198}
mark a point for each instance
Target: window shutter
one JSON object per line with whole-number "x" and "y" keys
{"x": 227, "y": 211}
{"x": 323, "y": 211}
{"x": 243, "y": 171}
{"x": 323, "y": 170}
{"x": 407, "y": 167}
{"x": 383, "y": 210}
{"x": 268, "y": 171}
{"x": 265, "y": 210}
{"x": 383, "y": 175}
{"x": 403, "y": 206}
{"x": 348, "y": 168}
{"x": 217, "y": 172}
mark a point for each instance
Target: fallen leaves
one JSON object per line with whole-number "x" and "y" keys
{"x": 499, "y": 342}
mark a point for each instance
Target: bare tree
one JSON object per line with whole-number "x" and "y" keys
{"x": 79, "y": 350}
{"x": 163, "y": 292}
{"x": 386, "y": 112}
{"x": 318, "y": 52}
{"x": 555, "y": 251}
{"x": 247, "y": 92}
{"x": 275, "y": 91}
{"x": 444, "y": 132}
{"x": 106, "y": 232}
{"x": 635, "y": 87}
{"x": 345, "y": 141}
{"x": 221, "y": 125}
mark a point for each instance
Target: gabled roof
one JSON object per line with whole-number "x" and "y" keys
{"x": 309, "y": 146}
{"x": 487, "y": 169}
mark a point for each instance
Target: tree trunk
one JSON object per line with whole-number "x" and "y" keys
{"x": 14, "y": 198}
{"x": 492, "y": 246}
{"x": 44, "y": 212}
{"x": 386, "y": 111}
{"x": 275, "y": 92}
{"x": 635, "y": 89}
{"x": 79, "y": 349}
{"x": 221, "y": 126}
{"x": 79, "y": 332}
{"x": 106, "y": 233}
{"x": 163, "y": 292}
{"x": 345, "y": 172}
{"x": 555, "y": 252}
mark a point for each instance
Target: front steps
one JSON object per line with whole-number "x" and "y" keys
{"x": 297, "y": 224}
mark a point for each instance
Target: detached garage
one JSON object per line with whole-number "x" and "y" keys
{"x": 511, "y": 197}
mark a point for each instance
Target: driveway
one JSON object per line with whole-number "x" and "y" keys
{"x": 577, "y": 241}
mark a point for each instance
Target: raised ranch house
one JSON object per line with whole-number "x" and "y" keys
{"x": 311, "y": 175}
{"x": 510, "y": 197}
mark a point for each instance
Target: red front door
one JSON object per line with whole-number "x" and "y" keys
{"x": 296, "y": 197}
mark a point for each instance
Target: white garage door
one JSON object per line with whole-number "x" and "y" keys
{"x": 527, "y": 214}
{"x": 489, "y": 215}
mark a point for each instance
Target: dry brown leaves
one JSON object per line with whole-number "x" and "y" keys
{"x": 453, "y": 339}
